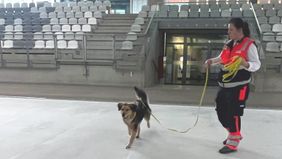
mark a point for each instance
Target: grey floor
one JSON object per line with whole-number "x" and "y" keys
{"x": 37, "y": 128}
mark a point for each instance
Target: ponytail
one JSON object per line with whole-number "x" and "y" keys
{"x": 246, "y": 29}
{"x": 240, "y": 24}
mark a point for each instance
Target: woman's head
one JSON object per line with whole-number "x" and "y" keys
{"x": 237, "y": 29}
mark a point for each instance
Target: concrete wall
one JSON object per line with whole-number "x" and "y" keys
{"x": 72, "y": 74}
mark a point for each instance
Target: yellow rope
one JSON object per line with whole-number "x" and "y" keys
{"x": 200, "y": 104}
{"x": 232, "y": 68}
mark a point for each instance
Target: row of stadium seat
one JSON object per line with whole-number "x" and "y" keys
{"x": 56, "y": 4}
{"x": 53, "y": 28}
{"x": 88, "y": 14}
{"x": 268, "y": 13}
{"x": 40, "y": 44}
{"x": 42, "y": 35}
{"x": 19, "y": 21}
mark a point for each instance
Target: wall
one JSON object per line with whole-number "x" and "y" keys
{"x": 72, "y": 74}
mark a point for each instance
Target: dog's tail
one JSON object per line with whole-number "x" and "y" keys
{"x": 141, "y": 95}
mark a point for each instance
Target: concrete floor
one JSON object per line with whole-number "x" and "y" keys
{"x": 37, "y": 128}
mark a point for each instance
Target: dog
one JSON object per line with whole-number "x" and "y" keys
{"x": 133, "y": 114}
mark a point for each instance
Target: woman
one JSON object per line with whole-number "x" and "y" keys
{"x": 233, "y": 91}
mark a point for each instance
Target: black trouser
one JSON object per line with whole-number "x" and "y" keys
{"x": 230, "y": 104}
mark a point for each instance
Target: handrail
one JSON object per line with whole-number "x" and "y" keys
{"x": 256, "y": 18}
{"x": 150, "y": 22}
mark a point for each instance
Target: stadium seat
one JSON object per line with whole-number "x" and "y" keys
{"x": 50, "y": 44}
{"x": 56, "y": 28}
{"x": 86, "y": 28}
{"x": 139, "y": 21}
{"x": 18, "y": 35}
{"x": 98, "y": 14}
{"x": 63, "y": 21}
{"x": 88, "y": 14}
{"x": 127, "y": 45}
{"x": 59, "y": 35}
{"x": 48, "y": 35}
{"x": 69, "y": 36}
{"x": 268, "y": 37}
{"x": 142, "y": 14}
{"x": 135, "y": 28}
{"x": 18, "y": 28}
{"x": 76, "y": 8}
{"x": 38, "y": 35}
{"x": 183, "y": 14}
{"x": 69, "y": 15}
{"x": 72, "y": 44}
{"x": 43, "y": 15}
{"x": 66, "y": 28}
{"x": 61, "y": 44}
{"x": 39, "y": 44}
{"x": 9, "y": 35}
{"x": 84, "y": 8}
{"x": 277, "y": 28}
{"x": 61, "y": 15}
{"x": 265, "y": 28}
{"x": 93, "y": 8}
{"x": 272, "y": 47}
{"x": 73, "y": 21}
{"x": 67, "y": 9}
{"x": 262, "y": 20}
{"x": 83, "y": 20}
{"x": 279, "y": 37}
{"x": 131, "y": 36}
{"x": 78, "y": 15}
{"x": 46, "y": 28}
{"x": 274, "y": 20}
{"x": 52, "y": 15}
{"x": 8, "y": 44}
{"x": 54, "y": 21}
{"x": 76, "y": 28}
{"x": 79, "y": 36}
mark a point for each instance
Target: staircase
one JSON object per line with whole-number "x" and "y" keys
{"x": 104, "y": 44}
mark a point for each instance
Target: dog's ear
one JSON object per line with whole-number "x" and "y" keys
{"x": 119, "y": 106}
{"x": 133, "y": 107}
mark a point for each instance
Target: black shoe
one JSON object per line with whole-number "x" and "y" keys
{"x": 224, "y": 142}
{"x": 225, "y": 150}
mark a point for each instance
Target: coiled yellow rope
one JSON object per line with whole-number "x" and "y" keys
{"x": 232, "y": 68}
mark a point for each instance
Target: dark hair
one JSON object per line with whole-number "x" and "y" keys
{"x": 240, "y": 24}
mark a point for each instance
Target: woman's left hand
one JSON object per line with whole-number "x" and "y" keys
{"x": 245, "y": 63}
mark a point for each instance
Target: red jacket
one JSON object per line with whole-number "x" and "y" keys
{"x": 239, "y": 49}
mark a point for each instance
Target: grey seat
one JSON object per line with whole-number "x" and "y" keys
{"x": 268, "y": 37}
{"x": 270, "y": 13}
{"x": 235, "y": 7}
{"x": 214, "y": 7}
{"x": 184, "y": 8}
{"x": 194, "y": 14}
{"x": 267, "y": 6}
{"x": 248, "y": 13}
{"x": 162, "y": 14}
{"x": 36, "y": 28}
{"x": 272, "y": 47}
{"x": 274, "y": 20}
{"x": 164, "y": 8}
{"x": 204, "y": 14}
{"x": 27, "y": 28}
{"x": 224, "y": 6}
{"x": 173, "y": 14}
{"x": 262, "y": 20}
{"x": 173, "y": 8}
{"x": 215, "y": 13}
{"x": 236, "y": 13}
{"x": 279, "y": 13}
{"x": 183, "y": 14}
{"x": 260, "y": 13}
{"x": 265, "y": 28}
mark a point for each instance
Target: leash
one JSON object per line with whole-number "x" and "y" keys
{"x": 198, "y": 113}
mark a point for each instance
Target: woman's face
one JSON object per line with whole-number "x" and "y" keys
{"x": 234, "y": 33}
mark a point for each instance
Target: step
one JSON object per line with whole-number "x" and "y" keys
{"x": 111, "y": 31}
{"x": 118, "y": 21}
{"x": 103, "y": 37}
{"x": 108, "y": 27}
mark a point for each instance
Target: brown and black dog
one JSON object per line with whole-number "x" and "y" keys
{"x": 133, "y": 114}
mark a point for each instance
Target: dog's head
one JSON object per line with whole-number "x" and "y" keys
{"x": 126, "y": 109}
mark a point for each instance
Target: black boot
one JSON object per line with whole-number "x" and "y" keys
{"x": 225, "y": 150}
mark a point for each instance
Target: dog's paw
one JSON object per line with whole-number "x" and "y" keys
{"x": 127, "y": 147}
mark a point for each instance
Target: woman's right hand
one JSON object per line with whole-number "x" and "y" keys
{"x": 207, "y": 63}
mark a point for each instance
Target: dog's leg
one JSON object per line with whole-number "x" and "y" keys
{"x": 138, "y": 131}
{"x": 132, "y": 137}
{"x": 148, "y": 124}
{"x": 129, "y": 131}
